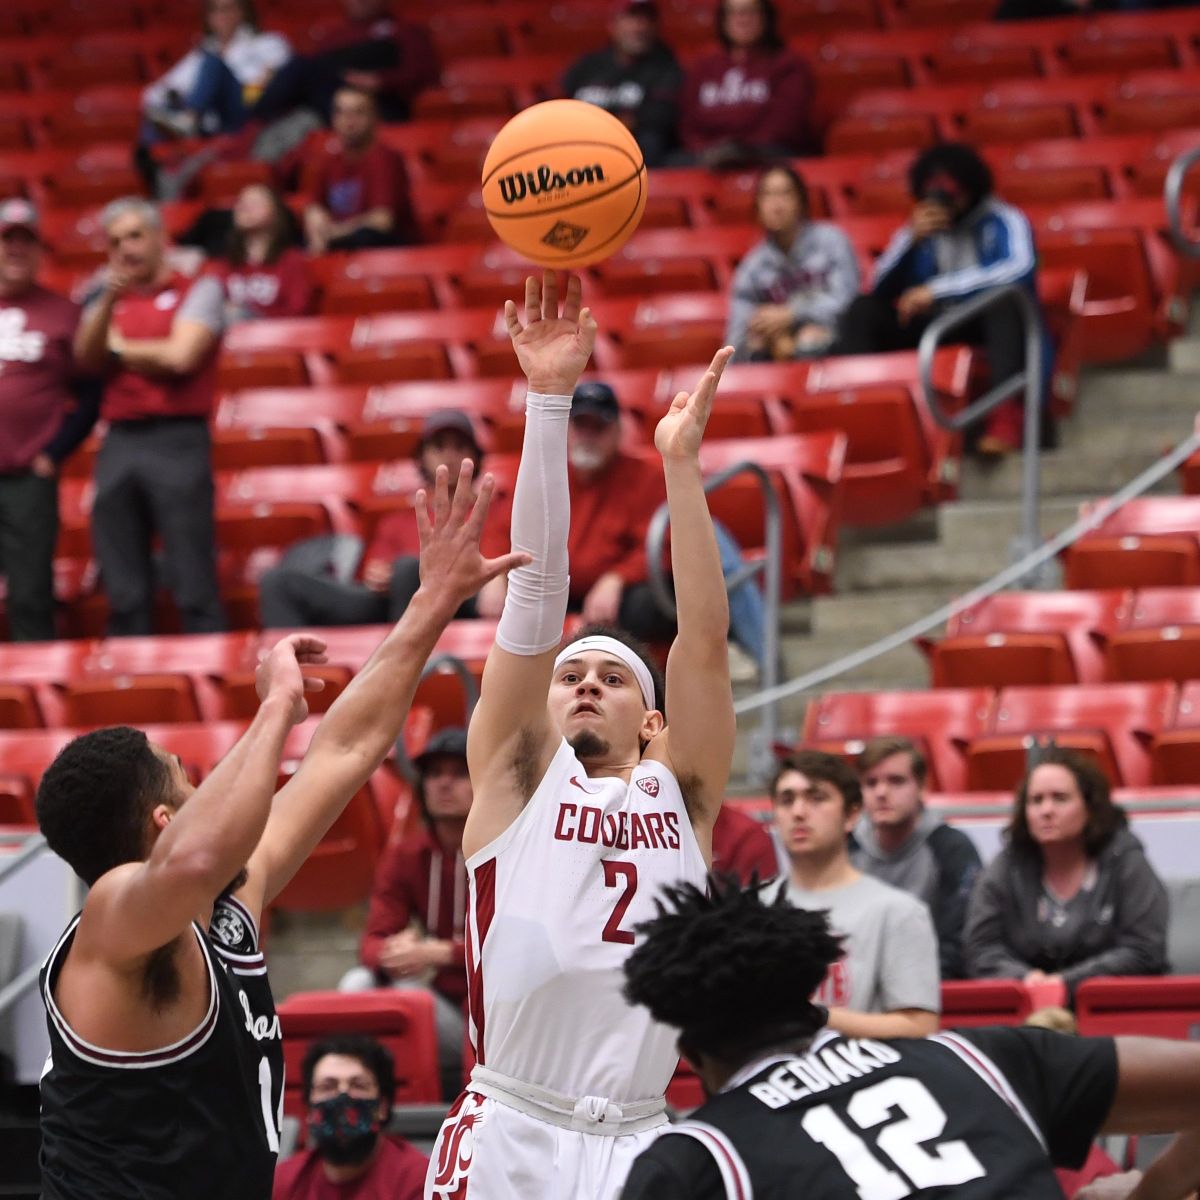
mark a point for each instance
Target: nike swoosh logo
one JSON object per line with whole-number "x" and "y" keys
{"x": 575, "y": 783}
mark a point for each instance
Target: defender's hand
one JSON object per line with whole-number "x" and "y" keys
{"x": 681, "y": 431}
{"x": 552, "y": 349}
{"x": 451, "y": 564}
{"x": 280, "y": 674}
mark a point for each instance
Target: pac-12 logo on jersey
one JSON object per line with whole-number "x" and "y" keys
{"x": 649, "y": 785}
{"x": 456, "y": 1147}
{"x": 228, "y": 927}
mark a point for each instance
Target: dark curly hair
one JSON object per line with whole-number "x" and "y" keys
{"x": 1104, "y": 818}
{"x": 639, "y": 648}
{"x": 958, "y": 160}
{"x": 828, "y": 768}
{"x": 372, "y": 1054}
{"x": 733, "y": 971}
{"x": 95, "y": 797}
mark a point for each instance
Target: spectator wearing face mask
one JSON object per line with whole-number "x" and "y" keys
{"x": 636, "y": 78}
{"x": 349, "y": 1086}
{"x": 960, "y": 241}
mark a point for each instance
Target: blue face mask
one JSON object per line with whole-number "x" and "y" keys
{"x": 344, "y": 1129}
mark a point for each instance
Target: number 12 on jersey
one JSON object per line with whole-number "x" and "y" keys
{"x": 901, "y": 1142}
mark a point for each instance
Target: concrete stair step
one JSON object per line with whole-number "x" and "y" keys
{"x": 868, "y": 615}
{"x": 1113, "y": 395}
{"x": 1064, "y": 473}
{"x": 919, "y": 565}
{"x": 993, "y": 524}
{"x": 901, "y": 668}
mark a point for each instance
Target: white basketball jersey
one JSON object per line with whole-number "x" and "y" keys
{"x": 554, "y": 900}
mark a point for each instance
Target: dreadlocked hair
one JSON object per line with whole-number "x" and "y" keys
{"x": 732, "y": 971}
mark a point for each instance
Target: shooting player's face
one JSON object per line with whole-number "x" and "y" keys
{"x": 596, "y": 702}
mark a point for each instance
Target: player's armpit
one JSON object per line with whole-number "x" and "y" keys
{"x": 1158, "y": 1087}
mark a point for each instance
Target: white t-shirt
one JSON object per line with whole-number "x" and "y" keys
{"x": 890, "y": 955}
{"x": 250, "y": 55}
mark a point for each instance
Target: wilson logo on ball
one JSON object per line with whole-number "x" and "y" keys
{"x": 515, "y": 187}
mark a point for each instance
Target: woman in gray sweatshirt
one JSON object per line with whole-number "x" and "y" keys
{"x": 1072, "y": 895}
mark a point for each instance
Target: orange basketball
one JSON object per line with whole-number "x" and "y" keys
{"x": 564, "y": 183}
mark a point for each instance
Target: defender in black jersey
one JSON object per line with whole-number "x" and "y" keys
{"x": 165, "y": 1075}
{"x": 797, "y": 1111}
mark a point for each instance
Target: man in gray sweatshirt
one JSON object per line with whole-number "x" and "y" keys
{"x": 902, "y": 843}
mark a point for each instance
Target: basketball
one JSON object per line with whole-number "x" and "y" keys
{"x": 564, "y": 184}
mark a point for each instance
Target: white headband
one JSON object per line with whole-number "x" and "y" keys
{"x": 619, "y": 651}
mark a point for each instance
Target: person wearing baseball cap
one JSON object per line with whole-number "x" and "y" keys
{"x": 636, "y": 77}
{"x": 46, "y": 410}
{"x": 297, "y": 593}
{"x": 413, "y": 935}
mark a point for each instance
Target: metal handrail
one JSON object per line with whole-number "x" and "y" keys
{"x": 470, "y": 699}
{"x": 1153, "y": 474}
{"x": 761, "y": 755}
{"x": 33, "y": 847}
{"x": 1029, "y": 379}
{"x": 12, "y": 991}
{"x": 1173, "y": 194}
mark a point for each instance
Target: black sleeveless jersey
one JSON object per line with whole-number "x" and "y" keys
{"x": 977, "y": 1114}
{"x": 192, "y": 1121}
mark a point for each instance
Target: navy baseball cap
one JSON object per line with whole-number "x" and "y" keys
{"x": 450, "y": 419}
{"x": 595, "y": 399}
{"x": 452, "y": 741}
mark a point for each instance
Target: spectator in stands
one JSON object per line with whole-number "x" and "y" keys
{"x": 46, "y": 410}
{"x": 886, "y": 983}
{"x": 413, "y": 937}
{"x": 208, "y": 90}
{"x": 903, "y": 844}
{"x": 349, "y": 1087}
{"x": 960, "y": 240}
{"x": 372, "y": 50}
{"x": 356, "y": 187}
{"x": 264, "y": 272}
{"x": 742, "y": 846}
{"x": 636, "y": 78}
{"x": 1072, "y": 895}
{"x": 387, "y": 576}
{"x": 791, "y": 288}
{"x": 156, "y": 334}
{"x": 748, "y": 101}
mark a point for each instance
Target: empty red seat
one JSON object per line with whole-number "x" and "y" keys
{"x": 1114, "y": 722}
{"x": 16, "y": 802}
{"x": 402, "y": 1020}
{"x": 1150, "y": 1006}
{"x": 1093, "y": 52}
{"x": 880, "y": 132}
{"x": 1016, "y": 638}
{"x": 969, "y": 1002}
{"x": 1151, "y": 608}
{"x": 130, "y": 700}
{"x": 19, "y": 708}
{"x": 1170, "y": 652}
{"x": 260, "y": 446}
{"x": 385, "y": 364}
{"x": 1148, "y": 542}
{"x": 945, "y": 721}
{"x": 1003, "y": 123}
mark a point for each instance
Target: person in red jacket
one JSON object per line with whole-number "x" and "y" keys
{"x": 265, "y": 273}
{"x": 156, "y": 335}
{"x": 388, "y": 574}
{"x": 742, "y": 847}
{"x": 349, "y": 1087}
{"x": 748, "y": 101}
{"x": 355, "y": 187}
{"x": 414, "y": 931}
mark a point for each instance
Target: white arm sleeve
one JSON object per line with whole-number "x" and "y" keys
{"x": 536, "y": 604}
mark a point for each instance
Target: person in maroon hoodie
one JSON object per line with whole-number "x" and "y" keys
{"x": 414, "y": 931}
{"x": 742, "y": 846}
{"x": 371, "y": 49}
{"x": 156, "y": 334}
{"x": 45, "y": 412}
{"x": 264, "y": 272}
{"x": 748, "y": 101}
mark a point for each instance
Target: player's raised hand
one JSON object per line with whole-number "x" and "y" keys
{"x": 680, "y": 432}
{"x": 280, "y": 672}
{"x": 552, "y": 348}
{"x": 451, "y": 563}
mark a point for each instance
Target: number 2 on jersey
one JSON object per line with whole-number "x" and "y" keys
{"x": 619, "y": 874}
{"x": 946, "y": 1164}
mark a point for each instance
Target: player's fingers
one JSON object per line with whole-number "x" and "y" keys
{"x": 587, "y": 330}
{"x": 441, "y": 497}
{"x": 421, "y": 512}
{"x": 306, "y": 643}
{"x": 474, "y": 525}
{"x": 491, "y": 567}
{"x": 680, "y": 401}
{"x": 574, "y": 300}
{"x": 550, "y": 295}
{"x": 533, "y": 300}
{"x": 313, "y": 685}
{"x": 511, "y": 319}
{"x": 462, "y": 492}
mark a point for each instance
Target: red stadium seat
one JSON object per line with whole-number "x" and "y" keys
{"x": 1172, "y": 652}
{"x": 349, "y": 290}
{"x": 16, "y": 802}
{"x": 972, "y": 1002}
{"x": 389, "y": 363}
{"x": 1114, "y": 722}
{"x": 880, "y": 132}
{"x": 1176, "y": 753}
{"x": 234, "y": 449}
{"x": 1006, "y": 124}
{"x": 19, "y": 708}
{"x": 130, "y": 700}
{"x": 239, "y": 369}
{"x": 1015, "y": 638}
{"x": 402, "y": 1020}
{"x": 1150, "y": 1006}
{"x": 945, "y": 721}
{"x": 971, "y": 62}
{"x": 1094, "y": 53}
{"x": 1148, "y": 542}
{"x": 1151, "y": 608}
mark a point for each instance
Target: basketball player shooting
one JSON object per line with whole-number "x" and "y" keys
{"x": 589, "y": 796}
{"x": 165, "y": 1076}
